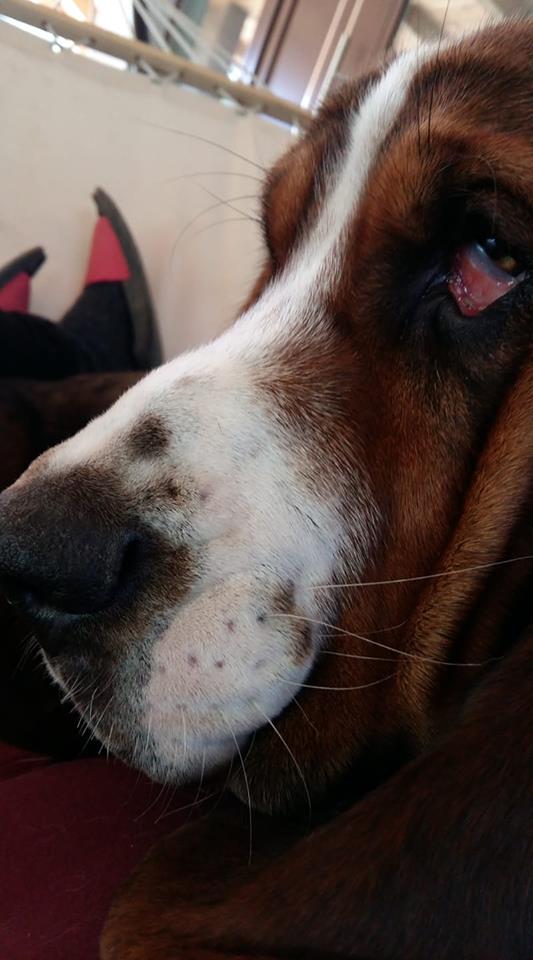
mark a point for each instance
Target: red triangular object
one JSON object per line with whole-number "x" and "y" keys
{"x": 107, "y": 262}
{"x": 15, "y": 295}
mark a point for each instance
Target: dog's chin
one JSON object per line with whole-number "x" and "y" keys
{"x": 192, "y": 762}
{"x": 117, "y": 721}
{"x": 181, "y": 717}
{"x": 188, "y": 746}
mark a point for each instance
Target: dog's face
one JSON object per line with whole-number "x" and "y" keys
{"x": 186, "y": 556}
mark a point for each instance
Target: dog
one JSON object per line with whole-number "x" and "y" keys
{"x": 302, "y": 554}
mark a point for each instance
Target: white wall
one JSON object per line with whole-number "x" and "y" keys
{"x": 68, "y": 125}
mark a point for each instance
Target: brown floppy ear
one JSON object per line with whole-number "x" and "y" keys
{"x": 481, "y": 600}
{"x": 35, "y": 416}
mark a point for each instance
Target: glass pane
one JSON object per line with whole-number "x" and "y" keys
{"x": 214, "y": 33}
{"x": 225, "y": 23}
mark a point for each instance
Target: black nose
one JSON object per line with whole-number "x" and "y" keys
{"x": 65, "y": 554}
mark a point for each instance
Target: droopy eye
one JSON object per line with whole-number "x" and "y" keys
{"x": 482, "y": 272}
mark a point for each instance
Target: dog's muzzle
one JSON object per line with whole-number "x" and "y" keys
{"x": 168, "y": 558}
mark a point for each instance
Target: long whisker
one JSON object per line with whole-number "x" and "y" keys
{"x": 97, "y": 727}
{"x": 370, "y": 633}
{"x": 219, "y": 223}
{"x": 75, "y": 689}
{"x": 184, "y": 731}
{"x": 358, "y": 656}
{"x": 396, "y": 626}
{"x": 353, "y": 656}
{"x": 297, "y": 703}
{"x": 228, "y": 201}
{"x": 148, "y": 732}
{"x": 425, "y": 576}
{"x": 30, "y": 647}
{"x": 433, "y": 85}
{"x": 99, "y": 717}
{"x": 222, "y": 792}
{"x": 245, "y": 775}
{"x": 187, "y": 806}
{"x": 340, "y": 631}
{"x": 200, "y": 783}
{"x": 171, "y": 795}
{"x": 108, "y": 740}
{"x": 291, "y": 755}
{"x": 89, "y": 722}
{"x": 361, "y": 686}
{"x": 154, "y": 803}
{"x": 213, "y": 173}
{"x": 417, "y": 85}
{"x": 200, "y": 139}
{"x": 220, "y": 202}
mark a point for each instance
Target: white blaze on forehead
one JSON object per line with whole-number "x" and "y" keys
{"x": 315, "y": 263}
{"x": 369, "y": 128}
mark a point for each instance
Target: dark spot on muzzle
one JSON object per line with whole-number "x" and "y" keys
{"x": 149, "y": 437}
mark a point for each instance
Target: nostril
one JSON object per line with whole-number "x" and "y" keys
{"x": 79, "y": 581}
{"x": 17, "y": 592}
{"x": 130, "y": 564}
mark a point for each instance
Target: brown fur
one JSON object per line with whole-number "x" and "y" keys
{"x": 432, "y": 856}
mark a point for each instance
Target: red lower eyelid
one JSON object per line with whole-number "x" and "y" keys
{"x": 475, "y": 281}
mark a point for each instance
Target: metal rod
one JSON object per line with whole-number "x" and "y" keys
{"x": 134, "y": 51}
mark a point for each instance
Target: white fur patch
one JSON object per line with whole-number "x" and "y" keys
{"x": 314, "y": 266}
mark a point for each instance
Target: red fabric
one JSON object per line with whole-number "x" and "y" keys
{"x": 107, "y": 261}
{"x": 15, "y": 294}
{"x": 69, "y": 834}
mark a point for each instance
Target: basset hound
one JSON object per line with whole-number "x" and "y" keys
{"x": 299, "y": 558}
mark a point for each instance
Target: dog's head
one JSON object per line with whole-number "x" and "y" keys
{"x": 239, "y": 555}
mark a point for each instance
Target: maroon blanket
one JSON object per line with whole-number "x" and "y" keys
{"x": 69, "y": 834}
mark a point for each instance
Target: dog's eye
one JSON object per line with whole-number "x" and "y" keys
{"x": 499, "y": 254}
{"x": 482, "y": 272}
